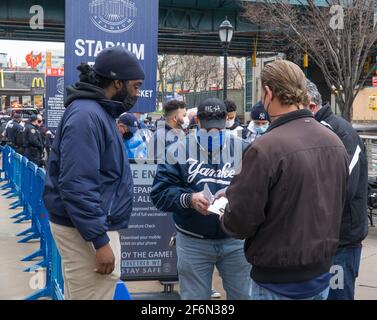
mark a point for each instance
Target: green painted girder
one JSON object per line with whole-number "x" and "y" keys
{"x": 185, "y": 26}
{"x": 242, "y": 44}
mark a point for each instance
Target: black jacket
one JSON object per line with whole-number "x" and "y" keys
{"x": 354, "y": 226}
{"x": 11, "y": 132}
{"x": 287, "y": 206}
{"x": 33, "y": 143}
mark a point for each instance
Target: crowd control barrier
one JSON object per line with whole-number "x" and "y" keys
{"x": 24, "y": 181}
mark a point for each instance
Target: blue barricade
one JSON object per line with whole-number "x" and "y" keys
{"x": 6, "y": 155}
{"x": 26, "y": 182}
{"x": 11, "y": 170}
{"x": 46, "y": 244}
{"x": 2, "y": 164}
{"x": 17, "y": 178}
{"x": 39, "y": 221}
{"x": 57, "y": 282}
{"x": 26, "y": 191}
{"x": 30, "y": 207}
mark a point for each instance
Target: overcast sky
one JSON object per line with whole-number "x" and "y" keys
{"x": 19, "y": 49}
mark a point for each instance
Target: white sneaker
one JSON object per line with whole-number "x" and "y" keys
{"x": 215, "y": 294}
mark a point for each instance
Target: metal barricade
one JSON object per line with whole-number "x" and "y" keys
{"x": 26, "y": 181}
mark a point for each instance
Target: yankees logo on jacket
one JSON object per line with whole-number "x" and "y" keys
{"x": 174, "y": 182}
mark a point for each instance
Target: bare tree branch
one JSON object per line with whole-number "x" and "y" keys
{"x": 339, "y": 48}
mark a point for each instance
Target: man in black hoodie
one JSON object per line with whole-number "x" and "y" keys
{"x": 354, "y": 227}
{"x": 88, "y": 190}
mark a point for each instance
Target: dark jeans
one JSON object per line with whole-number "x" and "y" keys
{"x": 349, "y": 259}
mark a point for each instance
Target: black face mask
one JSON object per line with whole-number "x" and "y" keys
{"x": 128, "y": 135}
{"x": 129, "y": 102}
{"x": 125, "y": 98}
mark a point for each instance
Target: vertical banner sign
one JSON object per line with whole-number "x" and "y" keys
{"x": 146, "y": 253}
{"x": 93, "y": 25}
{"x": 54, "y": 97}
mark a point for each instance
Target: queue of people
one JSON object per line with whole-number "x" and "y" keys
{"x": 272, "y": 206}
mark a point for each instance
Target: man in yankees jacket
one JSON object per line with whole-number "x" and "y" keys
{"x": 197, "y": 169}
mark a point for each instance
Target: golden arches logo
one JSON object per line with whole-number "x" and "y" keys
{"x": 38, "y": 82}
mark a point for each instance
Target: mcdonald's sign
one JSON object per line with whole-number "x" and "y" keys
{"x": 38, "y": 82}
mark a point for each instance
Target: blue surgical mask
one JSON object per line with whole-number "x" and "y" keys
{"x": 262, "y": 129}
{"x": 143, "y": 117}
{"x": 215, "y": 139}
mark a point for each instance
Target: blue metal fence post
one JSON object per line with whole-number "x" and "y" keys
{"x": 25, "y": 184}
{"x": 31, "y": 203}
{"x": 6, "y": 167}
{"x": 2, "y": 164}
{"x": 121, "y": 292}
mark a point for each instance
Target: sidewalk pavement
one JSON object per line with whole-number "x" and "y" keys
{"x": 14, "y": 283}
{"x": 366, "y": 285}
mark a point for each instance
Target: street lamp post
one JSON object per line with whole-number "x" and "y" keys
{"x": 226, "y": 34}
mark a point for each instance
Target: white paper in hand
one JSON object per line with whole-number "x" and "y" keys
{"x": 208, "y": 194}
{"x": 218, "y": 207}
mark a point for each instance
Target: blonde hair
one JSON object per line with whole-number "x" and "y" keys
{"x": 287, "y": 82}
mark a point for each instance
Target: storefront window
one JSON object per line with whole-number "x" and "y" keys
{"x": 14, "y": 102}
{"x": 26, "y": 101}
{"x": 38, "y": 102}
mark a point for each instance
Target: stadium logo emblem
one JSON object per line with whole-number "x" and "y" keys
{"x": 113, "y": 16}
{"x": 60, "y": 86}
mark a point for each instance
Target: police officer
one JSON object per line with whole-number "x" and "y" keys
{"x": 33, "y": 142}
{"x": 12, "y": 131}
{"x": 43, "y": 131}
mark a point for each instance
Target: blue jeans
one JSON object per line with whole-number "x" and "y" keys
{"x": 349, "y": 259}
{"x": 260, "y": 293}
{"x": 197, "y": 259}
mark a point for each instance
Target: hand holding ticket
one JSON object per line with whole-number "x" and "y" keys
{"x": 217, "y": 202}
{"x": 218, "y": 207}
